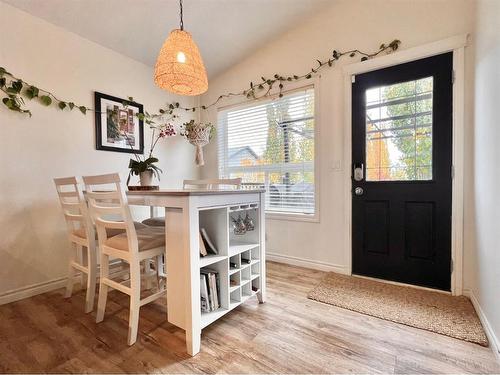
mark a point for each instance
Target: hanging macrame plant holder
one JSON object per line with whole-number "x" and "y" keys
{"x": 199, "y": 137}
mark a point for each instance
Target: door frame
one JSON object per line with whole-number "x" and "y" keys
{"x": 456, "y": 45}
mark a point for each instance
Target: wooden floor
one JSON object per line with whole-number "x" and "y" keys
{"x": 288, "y": 334}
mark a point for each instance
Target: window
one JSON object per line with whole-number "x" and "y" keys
{"x": 399, "y": 131}
{"x": 272, "y": 143}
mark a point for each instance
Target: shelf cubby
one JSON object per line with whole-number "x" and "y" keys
{"x": 235, "y": 298}
{"x": 245, "y": 275}
{"x": 234, "y": 281}
{"x": 256, "y": 285}
{"x": 214, "y": 221}
{"x": 246, "y": 290}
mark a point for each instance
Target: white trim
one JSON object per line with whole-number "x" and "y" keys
{"x": 492, "y": 338}
{"x": 306, "y": 263}
{"x": 292, "y": 217}
{"x": 457, "y": 45}
{"x": 410, "y": 54}
{"x": 40, "y": 288}
{"x": 32, "y": 290}
{"x": 457, "y": 202}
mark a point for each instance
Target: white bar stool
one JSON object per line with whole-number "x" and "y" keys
{"x": 133, "y": 246}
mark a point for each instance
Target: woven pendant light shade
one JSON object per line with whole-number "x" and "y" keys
{"x": 179, "y": 67}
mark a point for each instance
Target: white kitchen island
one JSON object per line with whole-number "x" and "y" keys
{"x": 187, "y": 211}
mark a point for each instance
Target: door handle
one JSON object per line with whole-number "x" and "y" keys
{"x": 358, "y": 172}
{"x": 358, "y": 191}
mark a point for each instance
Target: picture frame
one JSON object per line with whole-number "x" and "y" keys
{"x": 117, "y": 128}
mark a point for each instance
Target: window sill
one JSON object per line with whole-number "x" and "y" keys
{"x": 293, "y": 217}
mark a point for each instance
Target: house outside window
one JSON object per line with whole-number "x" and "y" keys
{"x": 271, "y": 144}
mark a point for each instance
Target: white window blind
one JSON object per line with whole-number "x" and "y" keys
{"x": 271, "y": 143}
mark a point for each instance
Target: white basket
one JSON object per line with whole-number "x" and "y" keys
{"x": 199, "y": 137}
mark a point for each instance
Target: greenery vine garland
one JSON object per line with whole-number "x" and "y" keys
{"x": 14, "y": 88}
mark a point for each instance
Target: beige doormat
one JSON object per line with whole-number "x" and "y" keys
{"x": 432, "y": 311}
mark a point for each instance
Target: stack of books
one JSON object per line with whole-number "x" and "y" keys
{"x": 209, "y": 290}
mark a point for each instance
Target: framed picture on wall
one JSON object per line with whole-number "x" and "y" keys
{"x": 117, "y": 127}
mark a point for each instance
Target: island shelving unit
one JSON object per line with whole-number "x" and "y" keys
{"x": 186, "y": 211}
{"x": 236, "y": 284}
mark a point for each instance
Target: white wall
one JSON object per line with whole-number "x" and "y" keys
{"x": 482, "y": 204}
{"x": 33, "y": 244}
{"x": 362, "y": 24}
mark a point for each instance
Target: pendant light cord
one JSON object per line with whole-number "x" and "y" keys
{"x": 182, "y": 22}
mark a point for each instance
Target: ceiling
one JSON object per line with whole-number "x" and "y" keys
{"x": 226, "y": 31}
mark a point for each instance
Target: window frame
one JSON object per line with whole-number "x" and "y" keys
{"x": 274, "y": 94}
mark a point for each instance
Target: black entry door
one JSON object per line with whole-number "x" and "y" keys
{"x": 402, "y": 172}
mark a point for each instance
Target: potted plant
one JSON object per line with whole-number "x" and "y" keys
{"x": 144, "y": 167}
{"x": 199, "y": 135}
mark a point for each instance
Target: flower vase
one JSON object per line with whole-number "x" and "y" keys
{"x": 146, "y": 178}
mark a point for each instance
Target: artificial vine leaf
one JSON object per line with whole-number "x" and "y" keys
{"x": 394, "y": 45}
{"x": 45, "y": 100}
{"x": 32, "y": 92}
{"x": 71, "y": 105}
{"x": 2, "y": 71}
{"x": 61, "y": 105}
{"x": 83, "y": 109}
{"x": 15, "y": 87}
{"x": 10, "y": 103}
{"x": 2, "y": 81}
{"x": 364, "y": 58}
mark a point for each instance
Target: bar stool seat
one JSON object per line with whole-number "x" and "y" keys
{"x": 157, "y": 221}
{"x": 147, "y": 238}
{"x": 110, "y": 231}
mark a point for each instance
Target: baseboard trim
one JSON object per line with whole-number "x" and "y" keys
{"x": 32, "y": 290}
{"x": 306, "y": 263}
{"x": 492, "y": 338}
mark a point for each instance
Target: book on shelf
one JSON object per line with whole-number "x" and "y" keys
{"x": 204, "y": 294}
{"x": 203, "y": 249}
{"x": 208, "y": 243}
{"x": 209, "y": 290}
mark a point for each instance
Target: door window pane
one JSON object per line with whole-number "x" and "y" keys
{"x": 399, "y": 131}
